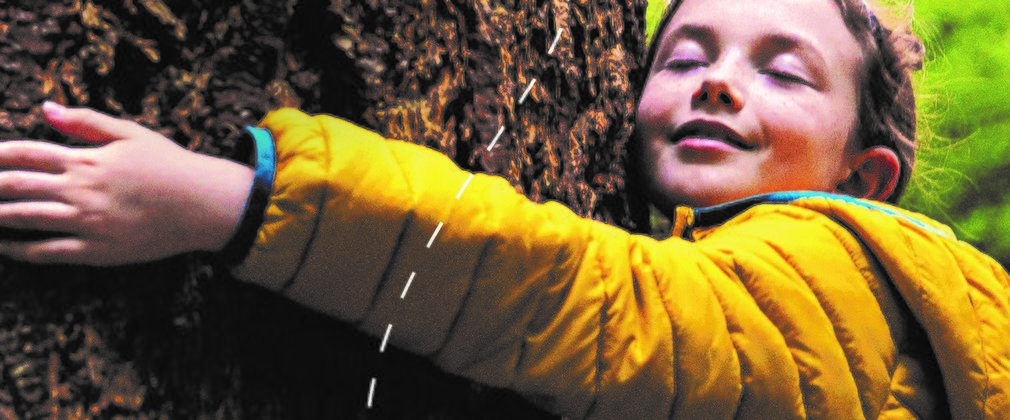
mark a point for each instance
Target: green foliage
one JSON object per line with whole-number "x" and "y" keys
{"x": 653, "y": 14}
{"x": 962, "y": 175}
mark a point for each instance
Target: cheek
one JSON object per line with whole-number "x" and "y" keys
{"x": 808, "y": 142}
{"x": 651, "y": 104}
{"x": 661, "y": 97}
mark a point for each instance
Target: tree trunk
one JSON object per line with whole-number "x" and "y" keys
{"x": 181, "y": 339}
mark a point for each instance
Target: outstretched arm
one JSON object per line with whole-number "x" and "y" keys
{"x": 135, "y": 196}
{"x": 347, "y": 223}
{"x": 337, "y": 243}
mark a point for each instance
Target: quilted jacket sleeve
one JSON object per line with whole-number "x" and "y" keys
{"x": 582, "y": 316}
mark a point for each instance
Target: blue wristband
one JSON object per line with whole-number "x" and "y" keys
{"x": 237, "y": 248}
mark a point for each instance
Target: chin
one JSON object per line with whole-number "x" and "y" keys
{"x": 668, "y": 198}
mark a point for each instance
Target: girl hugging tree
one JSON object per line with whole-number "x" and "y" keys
{"x": 777, "y": 134}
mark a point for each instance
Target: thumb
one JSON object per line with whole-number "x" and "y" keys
{"x": 88, "y": 124}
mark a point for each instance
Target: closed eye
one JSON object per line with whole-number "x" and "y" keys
{"x": 785, "y": 77}
{"x": 685, "y": 64}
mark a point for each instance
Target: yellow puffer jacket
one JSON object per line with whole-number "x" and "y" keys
{"x": 786, "y": 306}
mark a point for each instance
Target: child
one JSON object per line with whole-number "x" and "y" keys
{"x": 771, "y": 304}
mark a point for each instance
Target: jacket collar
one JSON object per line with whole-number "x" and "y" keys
{"x": 687, "y": 219}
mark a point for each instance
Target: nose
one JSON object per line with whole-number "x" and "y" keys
{"x": 719, "y": 94}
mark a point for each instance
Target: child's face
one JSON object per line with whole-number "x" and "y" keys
{"x": 745, "y": 98}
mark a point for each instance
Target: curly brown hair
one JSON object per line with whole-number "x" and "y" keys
{"x": 887, "y": 109}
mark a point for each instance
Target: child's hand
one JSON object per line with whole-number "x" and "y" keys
{"x": 136, "y": 197}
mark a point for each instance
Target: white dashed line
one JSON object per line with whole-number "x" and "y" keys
{"x": 433, "y": 235}
{"x": 460, "y": 193}
{"x": 555, "y": 43}
{"x": 528, "y": 89}
{"x": 501, "y": 130}
{"x": 371, "y": 393}
{"x": 389, "y": 328}
{"x": 404, "y": 294}
{"x": 385, "y": 339}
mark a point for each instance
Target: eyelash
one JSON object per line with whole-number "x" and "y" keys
{"x": 786, "y": 77}
{"x": 683, "y": 65}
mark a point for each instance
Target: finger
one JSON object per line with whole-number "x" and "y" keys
{"x": 26, "y": 154}
{"x": 39, "y": 215}
{"x": 90, "y": 125}
{"x": 52, "y": 251}
{"x": 30, "y": 185}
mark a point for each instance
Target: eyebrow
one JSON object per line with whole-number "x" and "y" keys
{"x": 702, "y": 33}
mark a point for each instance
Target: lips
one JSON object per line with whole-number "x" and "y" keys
{"x": 711, "y": 130}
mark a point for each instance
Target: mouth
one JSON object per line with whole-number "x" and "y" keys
{"x": 711, "y": 130}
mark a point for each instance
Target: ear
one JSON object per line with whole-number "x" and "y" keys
{"x": 874, "y": 174}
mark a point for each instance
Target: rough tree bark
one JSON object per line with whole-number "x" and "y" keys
{"x": 179, "y": 338}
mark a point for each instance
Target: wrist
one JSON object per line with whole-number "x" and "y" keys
{"x": 225, "y": 190}
{"x": 258, "y": 184}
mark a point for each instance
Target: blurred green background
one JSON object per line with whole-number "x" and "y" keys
{"x": 962, "y": 176}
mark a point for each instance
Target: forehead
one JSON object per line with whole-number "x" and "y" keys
{"x": 816, "y": 24}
